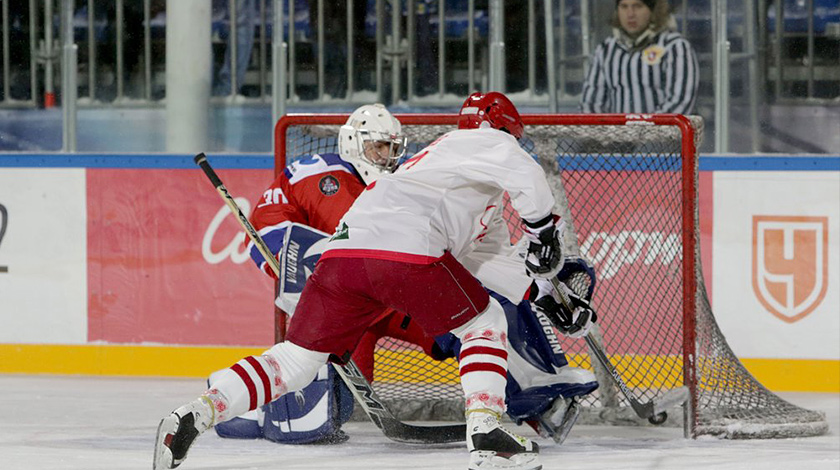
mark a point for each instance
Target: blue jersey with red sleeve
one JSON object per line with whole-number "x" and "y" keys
{"x": 315, "y": 191}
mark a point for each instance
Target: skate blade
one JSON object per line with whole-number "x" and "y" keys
{"x": 569, "y": 420}
{"x": 488, "y": 460}
{"x": 163, "y": 455}
{"x": 559, "y": 420}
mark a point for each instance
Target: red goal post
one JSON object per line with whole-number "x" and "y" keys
{"x": 627, "y": 186}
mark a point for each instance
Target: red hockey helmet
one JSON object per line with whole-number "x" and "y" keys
{"x": 493, "y": 108}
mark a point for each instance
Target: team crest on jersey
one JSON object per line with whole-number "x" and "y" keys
{"x": 652, "y": 55}
{"x": 329, "y": 185}
{"x": 341, "y": 233}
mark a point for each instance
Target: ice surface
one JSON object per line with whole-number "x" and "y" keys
{"x": 64, "y": 423}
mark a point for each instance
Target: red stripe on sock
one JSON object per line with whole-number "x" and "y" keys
{"x": 252, "y": 389}
{"x": 483, "y": 367}
{"x": 490, "y": 351}
{"x": 263, "y": 376}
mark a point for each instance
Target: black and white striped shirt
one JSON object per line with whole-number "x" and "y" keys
{"x": 658, "y": 78}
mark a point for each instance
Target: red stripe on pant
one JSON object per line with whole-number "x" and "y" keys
{"x": 483, "y": 367}
{"x": 252, "y": 389}
{"x": 263, "y": 376}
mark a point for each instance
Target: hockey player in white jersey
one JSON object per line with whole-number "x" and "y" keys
{"x": 542, "y": 388}
{"x": 396, "y": 248}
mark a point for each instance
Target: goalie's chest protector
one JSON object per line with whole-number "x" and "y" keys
{"x": 435, "y": 202}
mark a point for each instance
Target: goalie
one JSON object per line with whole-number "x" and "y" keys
{"x": 315, "y": 192}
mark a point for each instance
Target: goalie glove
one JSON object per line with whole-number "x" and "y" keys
{"x": 545, "y": 246}
{"x": 575, "y": 323}
{"x": 265, "y": 266}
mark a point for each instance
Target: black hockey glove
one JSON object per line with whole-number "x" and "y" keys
{"x": 545, "y": 246}
{"x": 575, "y": 323}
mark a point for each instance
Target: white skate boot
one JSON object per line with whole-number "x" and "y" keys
{"x": 493, "y": 447}
{"x": 177, "y": 432}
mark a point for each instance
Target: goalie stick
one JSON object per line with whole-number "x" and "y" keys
{"x": 361, "y": 389}
{"x": 655, "y": 410}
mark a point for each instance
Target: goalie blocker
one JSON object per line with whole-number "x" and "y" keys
{"x": 534, "y": 389}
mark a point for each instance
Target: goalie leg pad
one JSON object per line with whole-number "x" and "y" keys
{"x": 538, "y": 370}
{"x": 532, "y": 336}
{"x": 530, "y": 403}
{"x": 247, "y": 426}
{"x": 311, "y": 415}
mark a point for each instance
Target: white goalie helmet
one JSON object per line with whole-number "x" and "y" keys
{"x": 372, "y": 141}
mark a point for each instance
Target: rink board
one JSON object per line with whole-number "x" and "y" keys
{"x": 132, "y": 265}
{"x": 167, "y": 262}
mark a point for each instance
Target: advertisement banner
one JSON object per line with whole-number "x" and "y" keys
{"x": 43, "y": 256}
{"x": 777, "y": 263}
{"x": 629, "y": 225}
{"x": 167, "y": 260}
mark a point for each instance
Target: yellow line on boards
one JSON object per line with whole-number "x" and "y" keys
{"x": 163, "y": 361}
{"x": 782, "y": 375}
{"x": 796, "y": 375}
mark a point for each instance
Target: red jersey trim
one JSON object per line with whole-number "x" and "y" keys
{"x": 379, "y": 254}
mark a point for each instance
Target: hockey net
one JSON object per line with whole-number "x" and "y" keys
{"x": 627, "y": 187}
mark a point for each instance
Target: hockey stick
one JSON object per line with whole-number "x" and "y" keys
{"x": 655, "y": 410}
{"x": 361, "y": 389}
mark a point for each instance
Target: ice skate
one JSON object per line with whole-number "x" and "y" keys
{"x": 177, "y": 432}
{"x": 494, "y": 447}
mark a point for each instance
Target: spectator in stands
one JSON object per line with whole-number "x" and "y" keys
{"x": 335, "y": 44}
{"x": 645, "y": 67}
{"x": 20, "y": 54}
{"x": 427, "y": 48}
{"x": 133, "y": 46}
{"x": 246, "y": 23}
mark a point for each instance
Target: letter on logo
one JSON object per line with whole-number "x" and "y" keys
{"x": 790, "y": 264}
{"x": 232, "y": 249}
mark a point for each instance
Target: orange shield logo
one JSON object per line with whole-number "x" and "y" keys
{"x": 790, "y": 264}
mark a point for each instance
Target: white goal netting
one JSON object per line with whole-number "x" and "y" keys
{"x": 627, "y": 186}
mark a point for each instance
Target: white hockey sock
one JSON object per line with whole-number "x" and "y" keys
{"x": 483, "y": 359}
{"x": 257, "y": 380}
{"x": 299, "y": 365}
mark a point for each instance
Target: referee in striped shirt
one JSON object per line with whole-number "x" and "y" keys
{"x": 645, "y": 67}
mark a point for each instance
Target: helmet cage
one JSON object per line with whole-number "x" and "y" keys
{"x": 386, "y": 162}
{"x": 360, "y": 138}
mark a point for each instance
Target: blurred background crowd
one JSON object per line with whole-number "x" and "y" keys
{"x": 783, "y": 80}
